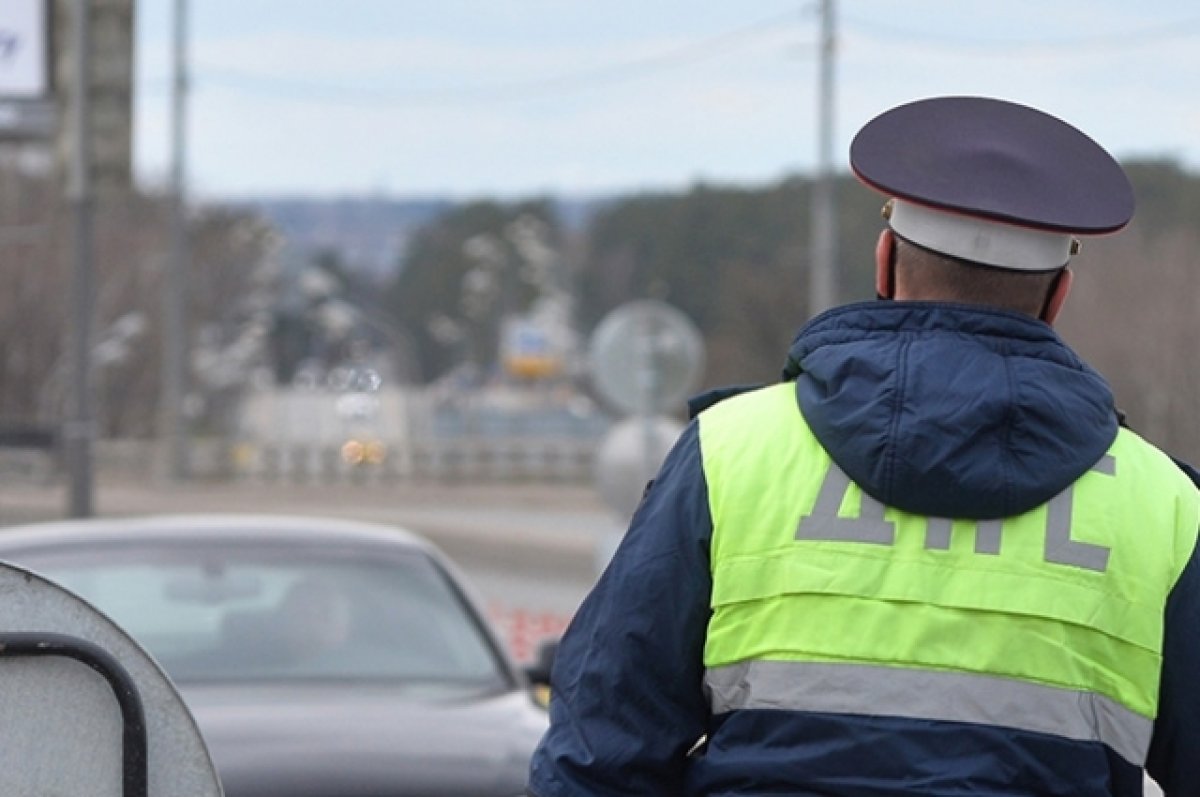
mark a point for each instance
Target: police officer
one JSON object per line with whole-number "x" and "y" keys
{"x": 931, "y": 560}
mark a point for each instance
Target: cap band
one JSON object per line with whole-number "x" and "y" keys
{"x": 979, "y": 240}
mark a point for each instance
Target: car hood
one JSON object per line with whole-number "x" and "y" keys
{"x": 327, "y": 741}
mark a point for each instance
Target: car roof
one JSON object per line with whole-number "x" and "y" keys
{"x": 215, "y": 529}
{"x": 212, "y": 527}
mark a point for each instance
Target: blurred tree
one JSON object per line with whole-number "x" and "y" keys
{"x": 734, "y": 260}
{"x": 228, "y": 273}
{"x": 233, "y": 279}
{"x": 1132, "y": 313}
{"x": 291, "y": 342}
{"x": 33, "y": 301}
{"x": 462, "y": 275}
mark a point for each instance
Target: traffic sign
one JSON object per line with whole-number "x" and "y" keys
{"x": 25, "y": 63}
{"x": 27, "y": 107}
{"x": 646, "y": 357}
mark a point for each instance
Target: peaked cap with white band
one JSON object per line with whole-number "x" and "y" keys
{"x": 990, "y": 181}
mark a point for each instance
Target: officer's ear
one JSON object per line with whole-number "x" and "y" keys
{"x": 1057, "y": 295}
{"x": 885, "y": 265}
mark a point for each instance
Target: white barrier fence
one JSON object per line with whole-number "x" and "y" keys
{"x": 305, "y": 435}
{"x": 416, "y": 434}
{"x": 481, "y": 460}
{"x": 453, "y": 460}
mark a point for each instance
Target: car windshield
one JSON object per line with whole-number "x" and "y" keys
{"x": 242, "y": 613}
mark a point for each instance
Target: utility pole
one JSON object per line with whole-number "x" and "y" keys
{"x": 822, "y": 284}
{"x": 175, "y": 348}
{"x": 79, "y": 429}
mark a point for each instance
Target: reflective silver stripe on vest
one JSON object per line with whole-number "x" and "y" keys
{"x": 931, "y": 695}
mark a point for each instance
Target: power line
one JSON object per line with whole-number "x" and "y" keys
{"x": 1138, "y": 37}
{"x": 538, "y": 88}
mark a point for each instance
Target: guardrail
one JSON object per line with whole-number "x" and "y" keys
{"x": 567, "y": 460}
{"x": 28, "y": 453}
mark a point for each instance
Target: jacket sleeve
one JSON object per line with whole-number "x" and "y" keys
{"x": 627, "y": 701}
{"x": 1173, "y": 762}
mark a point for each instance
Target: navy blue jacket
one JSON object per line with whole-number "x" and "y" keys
{"x": 934, "y": 408}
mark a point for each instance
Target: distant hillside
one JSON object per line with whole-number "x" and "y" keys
{"x": 371, "y": 234}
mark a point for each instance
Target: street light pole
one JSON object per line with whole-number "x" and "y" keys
{"x": 822, "y": 287}
{"x": 175, "y": 349}
{"x": 79, "y": 429}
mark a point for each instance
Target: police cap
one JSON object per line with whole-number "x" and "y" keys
{"x": 991, "y": 181}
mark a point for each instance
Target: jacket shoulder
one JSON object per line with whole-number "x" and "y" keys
{"x": 723, "y": 395}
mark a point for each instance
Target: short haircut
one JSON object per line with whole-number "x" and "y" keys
{"x": 928, "y": 275}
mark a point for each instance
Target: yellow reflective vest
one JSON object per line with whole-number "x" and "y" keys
{"x": 825, "y": 600}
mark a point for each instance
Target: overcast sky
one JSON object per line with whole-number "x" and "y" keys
{"x": 520, "y": 97}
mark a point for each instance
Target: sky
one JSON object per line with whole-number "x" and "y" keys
{"x": 470, "y": 99}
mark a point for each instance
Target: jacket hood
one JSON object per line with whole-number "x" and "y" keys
{"x": 950, "y": 410}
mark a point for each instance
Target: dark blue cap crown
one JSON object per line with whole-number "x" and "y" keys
{"x": 994, "y": 160}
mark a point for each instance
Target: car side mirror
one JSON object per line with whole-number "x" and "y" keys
{"x": 538, "y": 672}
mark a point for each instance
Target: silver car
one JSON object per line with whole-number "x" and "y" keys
{"x": 321, "y": 658}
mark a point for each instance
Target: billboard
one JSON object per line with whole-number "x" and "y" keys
{"x": 26, "y": 107}
{"x": 24, "y": 49}
{"x": 528, "y": 350}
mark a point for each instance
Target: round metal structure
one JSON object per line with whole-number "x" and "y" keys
{"x": 646, "y": 357}
{"x": 86, "y": 710}
{"x": 632, "y": 452}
